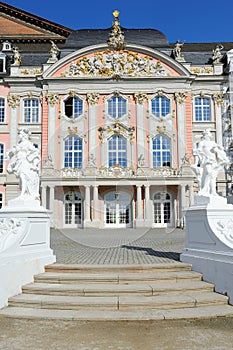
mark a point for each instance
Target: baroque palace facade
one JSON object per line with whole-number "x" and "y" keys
{"x": 115, "y": 113}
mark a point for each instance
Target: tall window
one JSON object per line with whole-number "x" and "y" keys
{"x": 1, "y": 200}
{"x": 202, "y": 109}
{"x": 117, "y": 151}
{"x": 116, "y": 107}
{"x": 31, "y": 111}
{"x": 1, "y": 157}
{"x": 73, "y": 152}
{"x": 73, "y": 107}
{"x": 2, "y": 110}
{"x": 161, "y": 148}
{"x": 160, "y": 106}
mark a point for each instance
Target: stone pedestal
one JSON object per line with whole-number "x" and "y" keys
{"x": 209, "y": 241}
{"x": 24, "y": 245}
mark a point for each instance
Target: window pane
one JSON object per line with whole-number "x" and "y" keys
{"x": 31, "y": 111}
{"x": 73, "y": 152}
{"x": 73, "y": 107}
{"x": 2, "y": 110}
{"x": 1, "y": 200}
{"x": 160, "y": 106}
{"x": 1, "y": 157}
{"x": 117, "y": 151}
{"x": 202, "y": 109}
{"x": 161, "y": 149}
{"x": 116, "y": 107}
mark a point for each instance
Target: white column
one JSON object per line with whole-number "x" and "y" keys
{"x": 43, "y": 196}
{"x": 147, "y": 202}
{"x": 140, "y": 112}
{"x": 218, "y": 111}
{"x": 52, "y": 132}
{"x": 51, "y": 203}
{"x": 13, "y": 126}
{"x": 181, "y": 126}
{"x": 139, "y": 202}
{"x": 181, "y": 203}
{"x": 87, "y": 205}
{"x": 95, "y": 203}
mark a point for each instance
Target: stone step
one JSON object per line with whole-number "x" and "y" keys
{"x": 202, "y": 312}
{"x": 116, "y": 278}
{"x": 86, "y": 269}
{"x": 117, "y": 303}
{"x": 117, "y": 289}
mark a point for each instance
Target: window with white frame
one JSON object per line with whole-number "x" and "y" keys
{"x": 117, "y": 151}
{"x": 1, "y": 200}
{"x": 2, "y": 110}
{"x": 161, "y": 151}
{"x": 160, "y": 106}
{"x": 202, "y": 109}
{"x": 117, "y": 107}
{"x": 31, "y": 110}
{"x": 1, "y": 158}
{"x": 73, "y": 107}
{"x": 73, "y": 152}
{"x": 2, "y": 63}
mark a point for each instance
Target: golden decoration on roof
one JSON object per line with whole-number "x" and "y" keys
{"x": 116, "y": 37}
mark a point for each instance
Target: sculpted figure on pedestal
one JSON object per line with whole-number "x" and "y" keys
{"x": 210, "y": 159}
{"x": 24, "y": 162}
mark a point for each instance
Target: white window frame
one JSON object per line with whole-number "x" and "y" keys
{"x": 78, "y": 118}
{"x": 125, "y": 98}
{"x": 4, "y": 109}
{"x": 117, "y": 150}
{"x": 23, "y": 109}
{"x": 152, "y": 150}
{"x": 2, "y": 199}
{"x": 210, "y": 109}
{"x": 169, "y": 98}
{"x": 2, "y": 155}
{"x": 3, "y": 58}
{"x": 63, "y": 153}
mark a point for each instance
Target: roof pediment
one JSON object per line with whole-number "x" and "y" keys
{"x": 100, "y": 61}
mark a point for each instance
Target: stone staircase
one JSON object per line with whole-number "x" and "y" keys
{"x": 118, "y": 292}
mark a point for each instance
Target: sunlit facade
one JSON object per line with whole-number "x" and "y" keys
{"x": 115, "y": 114}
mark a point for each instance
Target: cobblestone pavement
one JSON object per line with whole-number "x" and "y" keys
{"x": 125, "y": 246}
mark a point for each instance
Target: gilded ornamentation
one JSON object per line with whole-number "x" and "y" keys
{"x": 13, "y": 100}
{"x": 161, "y": 129}
{"x": 140, "y": 97}
{"x": 93, "y": 98}
{"x": 52, "y": 98}
{"x": 116, "y": 64}
{"x": 202, "y": 70}
{"x": 116, "y": 129}
{"x": 35, "y": 71}
{"x": 116, "y": 38}
{"x": 218, "y": 98}
{"x": 72, "y": 130}
{"x": 180, "y": 97}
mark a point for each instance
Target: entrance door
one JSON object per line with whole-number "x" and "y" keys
{"x": 73, "y": 210}
{"x": 162, "y": 210}
{"x": 117, "y": 210}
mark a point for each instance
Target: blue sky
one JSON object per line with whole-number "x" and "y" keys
{"x": 189, "y": 21}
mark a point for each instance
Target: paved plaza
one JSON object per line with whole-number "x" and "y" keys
{"x": 117, "y": 246}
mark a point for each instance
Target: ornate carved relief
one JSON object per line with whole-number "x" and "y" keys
{"x": 116, "y": 129}
{"x": 11, "y": 230}
{"x": 52, "y": 98}
{"x": 202, "y": 70}
{"x": 116, "y": 64}
{"x": 93, "y": 98}
{"x": 218, "y": 98}
{"x": 73, "y": 131}
{"x": 116, "y": 36}
{"x": 180, "y": 97}
{"x": 13, "y": 100}
{"x": 140, "y": 97}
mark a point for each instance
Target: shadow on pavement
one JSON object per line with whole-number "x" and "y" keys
{"x": 152, "y": 252}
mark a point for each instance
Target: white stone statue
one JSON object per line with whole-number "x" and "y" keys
{"x": 177, "y": 51}
{"x": 24, "y": 162}
{"x": 54, "y": 51}
{"x": 217, "y": 53}
{"x": 17, "y": 56}
{"x": 210, "y": 159}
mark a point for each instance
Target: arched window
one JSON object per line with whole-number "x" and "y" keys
{"x": 73, "y": 152}
{"x": 202, "y": 109}
{"x": 117, "y": 151}
{"x": 116, "y": 107}
{"x": 161, "y": 150}
{"x": 31, "y": 111}
{"x": 2, "y": 110}
{"x": 160, "y": 106}
{"x": 73, "y": 107}
{"x": 1, "y": 157}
